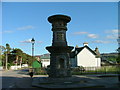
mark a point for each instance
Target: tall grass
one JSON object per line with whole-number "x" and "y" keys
{"x": 88, "y": 70}
{"x": 100, "y": 70}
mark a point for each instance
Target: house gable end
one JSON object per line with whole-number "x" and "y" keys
{"x": 90, "y": 50}
{"x": 87, "y": 52}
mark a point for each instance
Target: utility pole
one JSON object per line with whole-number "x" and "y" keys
{"x": 20, "y": 61}
{"x": 16, "y": 62}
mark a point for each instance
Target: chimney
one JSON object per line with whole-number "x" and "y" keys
{"x": 97, "y": 52}
{"x": 85, "y": 44}
{"x": 76, "y": 46}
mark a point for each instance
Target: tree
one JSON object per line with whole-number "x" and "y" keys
{"x": 17, "y": 54}
{"x": 0, "y": 60}
{"x": 2, "y": 50}
{"x": 11, "y": 56}
{"x": 118, "y": 59}
{"x": 6, "y": 55}
{"x": 8, "y": 48}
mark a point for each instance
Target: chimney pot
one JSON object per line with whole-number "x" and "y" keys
{"x": 85, "y": 44}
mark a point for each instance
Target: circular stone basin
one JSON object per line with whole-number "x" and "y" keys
{"x": 67, "y": 82}
{"x": 108, "y": 76}
{"x": 63, "y": 83}
{"x": 58, "y": 83}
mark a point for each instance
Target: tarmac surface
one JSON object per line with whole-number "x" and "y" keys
{"x": 21, "y": 79}
{"x": 78, "y": 82}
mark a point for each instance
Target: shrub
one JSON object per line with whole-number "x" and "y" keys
{"x": 40, "y": 71}
{"x": 79, "y": 68}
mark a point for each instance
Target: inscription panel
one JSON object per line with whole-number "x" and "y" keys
{"x": 60, "y": 36}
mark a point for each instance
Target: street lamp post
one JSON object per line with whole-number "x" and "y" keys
{"x": 33, "y": 42}
{"x": 6, "y": 55}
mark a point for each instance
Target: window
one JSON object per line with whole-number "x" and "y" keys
{"x": 46, "y": 60}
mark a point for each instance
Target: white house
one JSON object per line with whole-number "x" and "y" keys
{"x": 85, "y": 56}
{"x": 45, "y": 59}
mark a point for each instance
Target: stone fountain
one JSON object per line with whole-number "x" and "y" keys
{"x": 59, "y": 51}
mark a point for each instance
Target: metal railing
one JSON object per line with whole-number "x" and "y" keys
{"x": 97, "y": 70}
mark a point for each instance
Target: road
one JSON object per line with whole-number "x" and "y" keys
{"x": 16, "y": 79}
{"x": 20, "y": 79}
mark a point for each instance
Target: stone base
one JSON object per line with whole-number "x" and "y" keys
{"x": 59, "y": 61}
{"x": 62, "y": 83}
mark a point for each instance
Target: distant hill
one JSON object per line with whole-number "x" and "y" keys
{"x": 109, "y": 54}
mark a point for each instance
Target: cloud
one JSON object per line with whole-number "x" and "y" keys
{"x": 101, "y": 41}
{"x": 79, "y": 33}
{"x": 92, "y": 35}
{"x": 113, "y": 34}
{"x": 26, "y": 41}
{"x": 7, "y": 31}
{"x": 86, "y": 33}
{"x": 114, "y": 31}
{"x": 29, "y": 41}
{"x": 118, "y": 40}
{"x": 39, "y": 42}
{"x": 26, "y": 27}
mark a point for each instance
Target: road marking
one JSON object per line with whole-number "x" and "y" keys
{"x": 11, "y": 86}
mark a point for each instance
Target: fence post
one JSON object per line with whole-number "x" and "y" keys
{"x": 105, "y": 69}
{"x": 119, "y": 73}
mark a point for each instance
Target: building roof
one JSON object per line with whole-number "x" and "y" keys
{"x": 79, "y": 49}
{"x": 45, "y": 56}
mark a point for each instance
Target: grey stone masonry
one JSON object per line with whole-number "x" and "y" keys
{"x": 59, "y": 51}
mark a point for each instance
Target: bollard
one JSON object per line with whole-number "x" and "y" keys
{"x": 119, "y": 77}
{"x": 31, "y": 72}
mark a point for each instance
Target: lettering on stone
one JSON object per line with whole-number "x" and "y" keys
{"x": 60, "y": 36}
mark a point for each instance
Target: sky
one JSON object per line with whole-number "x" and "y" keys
{"x": 92, "y": 22}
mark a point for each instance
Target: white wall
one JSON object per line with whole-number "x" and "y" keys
{"x": 86, "y": 59}
{"x": 24, "y": 65}
{"x": 18, "y": 66}
{"x": 1, "y": 67}
{"x": 45, "y": 62}
{"x": 15, "y": 67}
{"x": 98, "y": 62}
